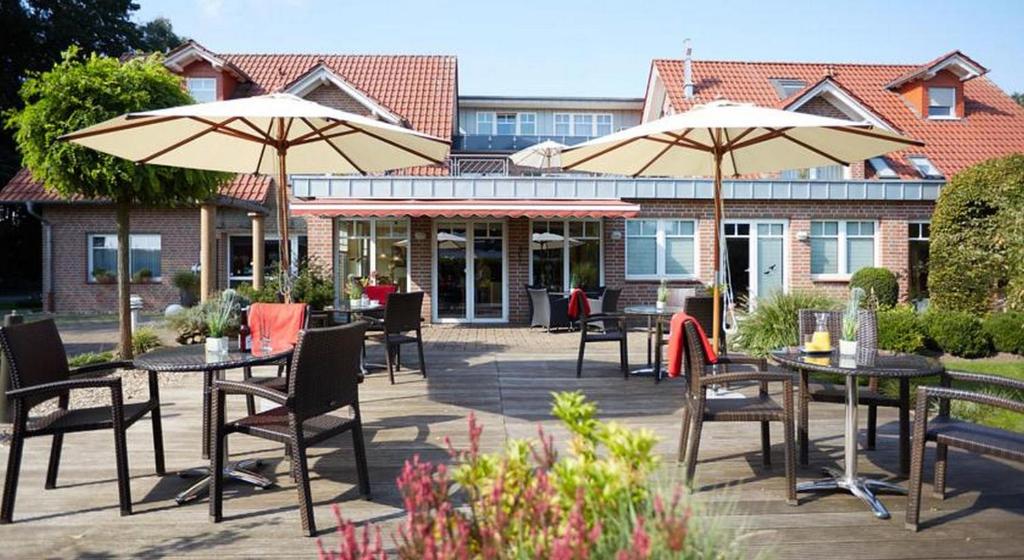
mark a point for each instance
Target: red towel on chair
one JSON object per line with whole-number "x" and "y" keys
{"x": 282, "y": 321}
{"x": 380, "y": 292}
{"x": 576, "y": 299}
{"x": 676, "y": 343}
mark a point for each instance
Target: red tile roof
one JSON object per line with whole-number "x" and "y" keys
{"x": 23, "y": 188}
{"x": 993, "y": 124}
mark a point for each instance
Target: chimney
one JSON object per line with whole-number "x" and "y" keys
{"x": 687, "y": 70}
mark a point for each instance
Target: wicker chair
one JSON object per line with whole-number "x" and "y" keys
{"x": 698, "y": 409}
{"x": 324, "y": 378}
{"x": 278, "y": 383}
{"x": 39, "y": 372}
{"x": 401, "y": 316}
{"x": 616, "y": 332}
{"x": 946, "y": 431}
{"x": 833, "y": 393}
{"x": 609, "y": 305}
{"x": 540, "y": 307}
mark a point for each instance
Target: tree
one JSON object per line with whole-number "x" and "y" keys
{"x": 1018, "y": 97}
{"x": 977, "y": 238}
{"x": 157, "y": 36}
{"x": 79, "y": 92}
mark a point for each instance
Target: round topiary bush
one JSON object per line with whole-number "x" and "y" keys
{"x": 1006, "y": 329}
{"x": 900, "y": 329}
{"x": 977, "y": 238}
{"x": 957, "y": 332}
{"x": 878, "y": 281}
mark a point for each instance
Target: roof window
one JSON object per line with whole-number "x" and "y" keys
{"x": 784, "y": 87}
{"x": 925, "y": 167}
{"x": 882, "y": 168}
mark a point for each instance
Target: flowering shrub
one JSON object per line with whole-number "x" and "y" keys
{"x": 596, "y": 502}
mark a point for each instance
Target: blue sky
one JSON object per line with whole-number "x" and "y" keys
{"x": 570, "y": 47}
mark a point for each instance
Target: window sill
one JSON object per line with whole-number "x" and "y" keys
{"x": 688, "y": 278}
{"x": 132, "y": 282}
{"x": 831, "y": 277}
{"x": 941, "y": 118}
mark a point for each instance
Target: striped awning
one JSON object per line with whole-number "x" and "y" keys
{"x": 466, "y": 208}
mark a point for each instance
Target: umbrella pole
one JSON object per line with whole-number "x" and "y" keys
{"x": 716, "y": 325}
{"x": 284, "y": 244}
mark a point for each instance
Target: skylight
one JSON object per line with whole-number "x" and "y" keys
{"x": 882, "y": 168}
{"x": 785, "y": 87}
{"x": 925, "y": 167}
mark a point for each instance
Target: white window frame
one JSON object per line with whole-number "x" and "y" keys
{"x": 753, "y": 235}
{"x": 89, "y": 256}
{"x": 293, "y": 243}
{"x": 951, "y": 115}
{"x": 589, "y": 116}
{"x": 812, "y": 173}
{"x": 661, "y": 247}
{"x": 882, "y": 168}
{"x": 493, "y": 119}
{"x": 568, "y": 122}
{"x": 202, "y": 80}
{"x": 515, "y": 122}
{"x": 843, "y": 273}
{"x": 566, "y": 274}
{"x": 918, "y": 161}
{"x": 339, "y": 283}
{"x": 919, "y": 237}
{"x": 611, "y": 122}
{"x": 470, "y": 261}
{"x": 520, "y": 123}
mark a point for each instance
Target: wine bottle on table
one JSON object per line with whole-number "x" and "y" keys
{"x": 244, "y": 333}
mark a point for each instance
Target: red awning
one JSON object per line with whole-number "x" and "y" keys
{"x": 466, "y": 208}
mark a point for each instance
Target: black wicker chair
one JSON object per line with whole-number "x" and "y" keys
{"x": 278, "y": 383}
{"x": 946, "y": 431}
{"x": 870, "y": 396}
{"x": 615, "y": 332}
{"x": 324, "y": 378}
{"x": 401, "y": 317}
{"x": 39, "y": 372}
{"x": 698, "y": 408}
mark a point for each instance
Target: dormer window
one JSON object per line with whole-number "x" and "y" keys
{"x": 203, "y": 90}
{"x": 882, "y": 168}
{"x": 941, "y": 103}
{"x": 924, "y": 167}
{"x": 784, "y": 87}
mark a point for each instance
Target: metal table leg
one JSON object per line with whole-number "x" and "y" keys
{"x": 848, "y": 480}
{"x": 650, "y": 369}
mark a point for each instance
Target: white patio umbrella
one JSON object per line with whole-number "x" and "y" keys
{"x": 543, "y": 155}
{"x": 272, "y": 134}
{"x": 724, "y": 137}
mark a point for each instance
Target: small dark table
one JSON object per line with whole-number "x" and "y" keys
{"x": 194, "y": 358}
{"x": 656, "y": 330}
{"x": 899, "y": 366}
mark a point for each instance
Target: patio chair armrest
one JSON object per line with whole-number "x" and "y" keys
{"x": 242, "y": 388}
{"x": 762, "y": 376}
{"x": 596, "y": 317}
{"x": 105, "y": 366}
{"x": 926, "y": 392}
{"x": 986, "y": 379}
{"x": 730, "y": 359}
{"x": 373, "y": 321}
{"x": 57, "y": 387}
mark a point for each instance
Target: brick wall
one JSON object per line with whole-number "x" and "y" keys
{"x": 421, "y": 255}
{"x": 333, "y": 97}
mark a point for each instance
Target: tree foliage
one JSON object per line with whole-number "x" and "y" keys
{"x": 977, "y": 238}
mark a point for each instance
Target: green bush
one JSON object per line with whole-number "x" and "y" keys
{"x": 312, "y": 286}
{"x": 1006, "y": 329}
{"x": 900, "y": 329}
{"x": 191, "y": 324}
{"x": 773, "y": 324}
{"x": 878, "y": 281}
{"x": 145, "y": 339}
{"x": 89, "y": 358}
{"x": 977, "y": 238}
{"x": 957, "y": 332}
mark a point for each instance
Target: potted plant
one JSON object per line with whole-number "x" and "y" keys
{"x": 103, "y": 276}
{"x": 662, "y": 294}
{"x": 218, "y": 318}
{"x": 142, "y": 276}
{"x": 355, "y": 290}
{"x": 848, "y": 340}
{"x": 187, "y": 283}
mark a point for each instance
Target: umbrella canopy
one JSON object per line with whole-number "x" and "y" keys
{"x": 270, "y": 134}
{"x": 724, "y": 137}
{"x": 543, "y": 155}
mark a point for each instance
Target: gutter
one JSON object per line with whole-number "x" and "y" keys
{"x": 48, "y": 295}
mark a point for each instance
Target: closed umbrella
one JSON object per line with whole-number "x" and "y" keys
{"x": 543, "y": 155}
{"x": 724, "y": 137}
{"x": 272, "y": 134}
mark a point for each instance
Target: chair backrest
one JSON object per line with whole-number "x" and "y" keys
{"x": 677, "y": 296}
{"x": 35, "y": 354}
{"x": 595, "y": 293}
{"x": 325, "y": 370}
{"x": 610, "y": 301}
{"x": 867, "y": 337}
{"x": 702, "y": 308}
{"x": 380, "y": 293}
{"x": 808, "y": 323}
{"x": 403, "y": 311}
{"x": 540, "y": 308}
{"x": 696, "y": 359}
{"x": 282, "y": 321}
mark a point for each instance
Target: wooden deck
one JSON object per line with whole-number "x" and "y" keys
{"x": 505, "y": 377}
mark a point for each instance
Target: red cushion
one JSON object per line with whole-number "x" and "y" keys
{"x": 380, "y": 292}
{"x": 282, "y": 321}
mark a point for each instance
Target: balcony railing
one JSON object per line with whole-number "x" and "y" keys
{"x": 478, "y": 166}
{"x": 501, "y": 143}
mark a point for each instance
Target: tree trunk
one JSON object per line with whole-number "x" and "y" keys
{"x": 124, "y": 281}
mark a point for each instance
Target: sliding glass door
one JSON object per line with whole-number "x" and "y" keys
{"x": 470, "y": 271}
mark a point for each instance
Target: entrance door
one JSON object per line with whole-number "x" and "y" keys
{"x": 756, "y": 258}
{"x": 470, "y": 272}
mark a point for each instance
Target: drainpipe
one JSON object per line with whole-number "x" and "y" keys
{"x": 687, "y": 70}
{"x": 48, "y": 296}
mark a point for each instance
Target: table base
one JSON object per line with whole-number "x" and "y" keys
{"x": 863, "y": 488}
{"x": 241, "y": 471}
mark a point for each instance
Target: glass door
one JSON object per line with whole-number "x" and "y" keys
{"x": 770, "y": 263}
{"x": 471, "y": 272}
{"x": 756, "y": 258}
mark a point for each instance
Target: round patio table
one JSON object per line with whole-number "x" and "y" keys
{"x": 655, "y": 330}
{"x": 897, "y": 366}
{"x": 195, "y": 358}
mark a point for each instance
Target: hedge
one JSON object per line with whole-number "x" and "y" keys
{"x": 977, "y": 238}
{"x": 957, "y": 332}
{"x": 900, "y": 329}
{"x": 1006, "y": 329}
{"x": 878, "y": 281}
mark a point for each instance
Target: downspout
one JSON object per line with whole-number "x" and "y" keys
{"x": 48, "y": 296}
